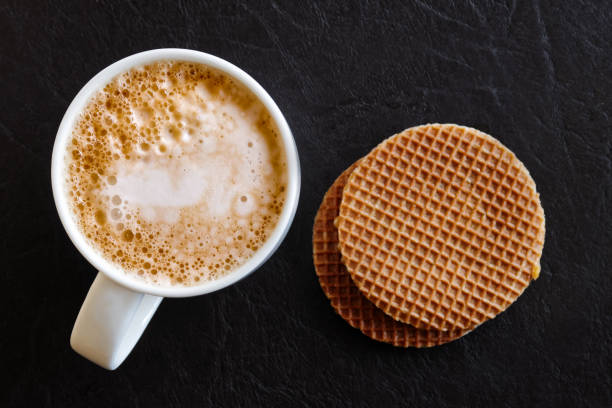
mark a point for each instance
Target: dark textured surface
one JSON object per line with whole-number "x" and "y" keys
{"x": 535, "y": 75}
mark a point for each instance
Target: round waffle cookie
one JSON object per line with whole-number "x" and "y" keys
{"x": 441, "y": 226}
{"x": 344, "y": 296}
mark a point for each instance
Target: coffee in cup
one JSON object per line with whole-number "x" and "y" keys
{"x": 175, "y": 173}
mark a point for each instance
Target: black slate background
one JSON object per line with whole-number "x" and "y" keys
{"x": 536, "y": 75}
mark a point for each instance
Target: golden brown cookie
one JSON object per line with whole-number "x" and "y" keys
{"x": 344, "y": 296}
{"x": 441, "y": 226}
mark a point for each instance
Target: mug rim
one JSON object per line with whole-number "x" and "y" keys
{"x": 58, "y": 168}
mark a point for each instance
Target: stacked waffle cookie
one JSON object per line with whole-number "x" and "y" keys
{"x": 438, "y": 229}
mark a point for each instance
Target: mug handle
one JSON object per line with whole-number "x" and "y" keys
{"x": 111, "y": 321}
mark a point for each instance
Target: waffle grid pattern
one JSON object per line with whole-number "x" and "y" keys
{"x": 344, "y": 296}
{"x": 441, "y": 227}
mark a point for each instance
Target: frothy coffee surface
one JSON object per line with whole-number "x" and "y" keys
{"x": 176, "y": 173}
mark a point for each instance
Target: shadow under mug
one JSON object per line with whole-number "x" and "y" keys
{"x": 118, "y": 306}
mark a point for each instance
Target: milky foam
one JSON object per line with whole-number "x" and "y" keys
{"x": 176, "y": 173}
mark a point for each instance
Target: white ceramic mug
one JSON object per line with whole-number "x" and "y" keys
{"x": 118, "y": 307}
